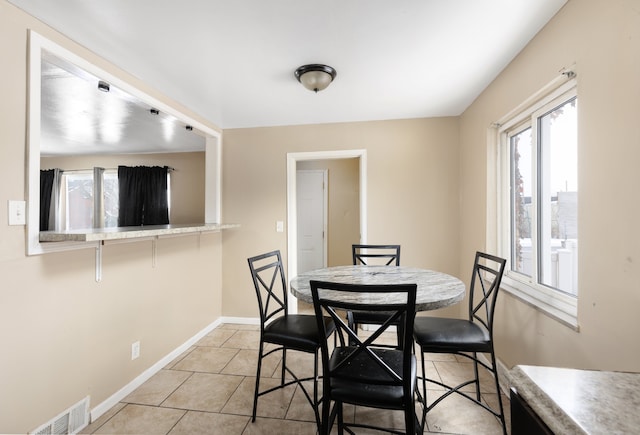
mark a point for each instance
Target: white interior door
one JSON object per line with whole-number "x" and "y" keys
{"x": 292, "y": 207}
{"x": 312, "y": 219}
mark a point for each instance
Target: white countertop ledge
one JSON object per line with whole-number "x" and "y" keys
{"x": 120, "y": 233}
{"x": 574, "y": 401}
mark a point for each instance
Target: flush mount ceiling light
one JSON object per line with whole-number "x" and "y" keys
{"x": 103, "y": 86}
{"x": 315, "y": 77}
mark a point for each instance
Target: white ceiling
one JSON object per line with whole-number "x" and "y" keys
{"x": 233, "y": 61}
{"x": 77, "y": 118}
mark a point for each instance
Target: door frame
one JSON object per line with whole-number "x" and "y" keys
{"x": 292, "y": 219}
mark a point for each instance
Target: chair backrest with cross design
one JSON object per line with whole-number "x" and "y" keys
{"x": 387, "y": 255}
{"x": 357, "y": 370}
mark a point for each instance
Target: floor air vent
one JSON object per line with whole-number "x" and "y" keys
{"x": 70, "y": 421}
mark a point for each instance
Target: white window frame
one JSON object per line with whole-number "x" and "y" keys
{"x": 556, "y": 304}
{"x": 62, "y": 208}
{"x": 63, "y": 211}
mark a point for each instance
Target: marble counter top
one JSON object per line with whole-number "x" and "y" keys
{"x": 574, "y": 401}
{"x": 120, "y": 233}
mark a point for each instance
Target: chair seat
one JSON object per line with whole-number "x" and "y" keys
{"x": 296, "y": 331}
{"x": 438, "y": 334}
{"x": 366, "y": 387}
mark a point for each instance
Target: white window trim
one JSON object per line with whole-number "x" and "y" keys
{"x": 63, "y": 212}
{"x": 62, "y": 209}
{"x": 557, "y": 305}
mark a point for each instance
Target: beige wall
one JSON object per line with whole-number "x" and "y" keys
{"x": 343, "y": 214}
{"x": 187, "y": 178}
{"x": 412, "y": 168}
{"x": 603, "y": 40}
{"x": 63, "y": 335}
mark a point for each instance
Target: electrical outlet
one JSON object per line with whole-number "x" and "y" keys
{"x": 135, "y": 350}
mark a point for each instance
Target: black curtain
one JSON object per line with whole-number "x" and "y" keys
{"x": 47, "y": 177}
{"x": 143, "y": 196}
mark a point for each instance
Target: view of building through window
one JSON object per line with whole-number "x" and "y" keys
{"x": 78, "y": 199}
{"x": 544, "y": 203}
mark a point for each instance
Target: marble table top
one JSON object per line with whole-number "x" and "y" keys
{"x": 435, "y": 289}
{"x": 574, "y": 401}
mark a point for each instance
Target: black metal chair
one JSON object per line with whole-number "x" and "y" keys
{"x": 297, "y": 332}
{"x": 386, "y": 255}
{"x": 466, "y": 337}
{"x": 359, "y": 372}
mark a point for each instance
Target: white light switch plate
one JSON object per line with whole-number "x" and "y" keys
{"x": 280, "y": 226}
{"x": 17, "y": 212}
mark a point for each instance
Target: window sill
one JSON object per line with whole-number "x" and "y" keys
{"x": 561, "y": 308}
{"x": 121, "y": 233}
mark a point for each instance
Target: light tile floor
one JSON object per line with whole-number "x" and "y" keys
{"x": 209, "y": 390}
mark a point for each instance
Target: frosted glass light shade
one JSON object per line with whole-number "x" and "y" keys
{"x": 315, "y": 77}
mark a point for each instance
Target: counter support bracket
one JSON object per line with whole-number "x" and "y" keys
{"x": 154, "y": 251}
{"x": 99, "y": 262}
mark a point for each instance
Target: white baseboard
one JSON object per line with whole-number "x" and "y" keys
{"x": 103, "y": 407}
{"x": 241, "y": 320}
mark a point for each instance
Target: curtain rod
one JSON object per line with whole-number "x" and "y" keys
{"x": 169, "y": 168}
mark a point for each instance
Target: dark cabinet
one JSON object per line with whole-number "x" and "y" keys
{"x": 524, "y": 420}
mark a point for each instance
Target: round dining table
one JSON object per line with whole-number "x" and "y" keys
{"x": 434, "y": 289}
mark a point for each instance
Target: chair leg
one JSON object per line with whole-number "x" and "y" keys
{"x": 410, "y": 417}
{"x": 495, "y": 376}
{"x": 493, "y": 370}
{"x": 477, "y": 375}
{"x": 257, "y": 389}
{"x": 400, "y": 334}
{"x": 423, "y": 421}
{"x": 419, "y": 428}
{"x": 352, "y": 325}
{"x": 284, "y": 364}
{"x": 316, "y": 403}
{"x": 326, "y": 410}
{"x": 314, "y": 400}
{"x": 340, "y": 419}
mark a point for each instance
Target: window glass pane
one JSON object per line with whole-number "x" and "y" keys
{"x": 110, "y": 199}
{"x": 558, "y": 193}
{"x": 521, "y": 189}
{"x": 79, "y": 204}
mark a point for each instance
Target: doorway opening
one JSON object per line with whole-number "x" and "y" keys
{"x": 292, "y": 208}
